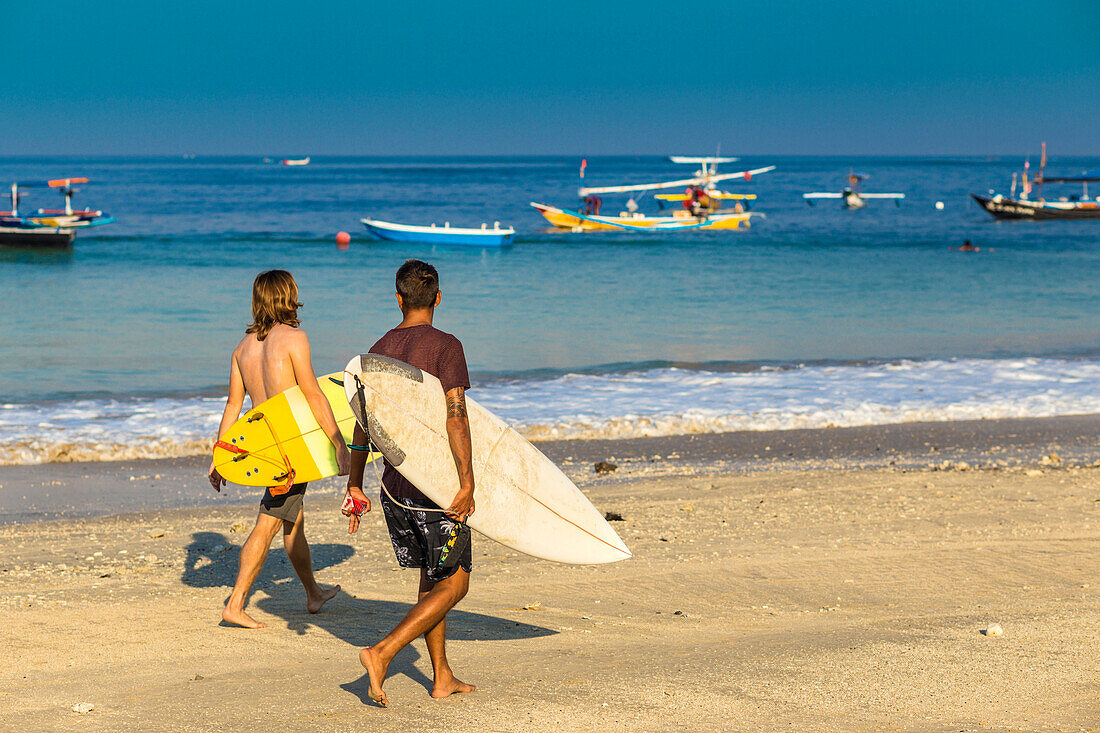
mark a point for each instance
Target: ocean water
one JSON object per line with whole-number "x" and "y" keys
{"x": 814, "y": 316}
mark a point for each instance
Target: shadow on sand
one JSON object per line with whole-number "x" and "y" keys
{"x": 208, "y": 567}
{"x": 362, "y": 622}
{"x": 358, "y": 621}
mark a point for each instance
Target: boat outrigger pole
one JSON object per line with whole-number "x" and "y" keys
{"x": 705, "y": 180}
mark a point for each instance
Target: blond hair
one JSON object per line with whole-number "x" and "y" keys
{"x": 274, "y": 301}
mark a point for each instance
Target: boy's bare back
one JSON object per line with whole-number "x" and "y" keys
{"x": 273, "y": 357}
{"x": 267, "y": 367}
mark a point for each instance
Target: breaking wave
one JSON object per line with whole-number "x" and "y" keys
{"x": 622, "y": 404}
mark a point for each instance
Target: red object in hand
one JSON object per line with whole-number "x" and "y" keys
{"x": 353, "y": 506}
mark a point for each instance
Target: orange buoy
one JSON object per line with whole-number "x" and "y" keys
{"x": 343, "y": 239}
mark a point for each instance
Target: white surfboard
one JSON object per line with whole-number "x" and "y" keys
{"x": 521, "y": 498}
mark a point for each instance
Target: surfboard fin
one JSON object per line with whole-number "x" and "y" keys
{"x": 334, "y": 380}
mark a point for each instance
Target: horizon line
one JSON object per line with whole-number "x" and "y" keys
{"x": 276, "y": 156}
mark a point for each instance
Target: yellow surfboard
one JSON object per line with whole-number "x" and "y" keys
{"x": 279, "y": 442}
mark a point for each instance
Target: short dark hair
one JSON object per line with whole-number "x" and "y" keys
{"x": 417, "y": 284}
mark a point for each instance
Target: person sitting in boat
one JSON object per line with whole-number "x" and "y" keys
{"x": 687, "y": 202}
{"x": 697, "y": 201}
{"x": 592, "y": 204}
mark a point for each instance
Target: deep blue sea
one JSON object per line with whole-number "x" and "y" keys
{"x": 814, "y": 316}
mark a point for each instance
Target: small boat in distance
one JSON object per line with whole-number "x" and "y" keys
{"x": 1065, "y": 207}
{"x": 446, "y": 234}
{"x": 295, "y": 161}
{"x": 852, "y": 196}
{"x": 687, "y": 159}
{"x": 47, "y": 227}
{"x": 701, "y": 203}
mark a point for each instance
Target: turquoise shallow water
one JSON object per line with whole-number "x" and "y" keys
{"x": 151, "y": 306}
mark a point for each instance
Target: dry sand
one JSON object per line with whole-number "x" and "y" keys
{"x": 844, "y": 600}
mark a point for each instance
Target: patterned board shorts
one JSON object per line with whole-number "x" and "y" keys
{"x": 418, "y": 537}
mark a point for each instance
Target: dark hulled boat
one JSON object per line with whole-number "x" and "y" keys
{"x": 11, "y": 236}
{"x": 47, "y": 227}
{"x": 1025, "y": 207}
{"x": 1003, "y": 207}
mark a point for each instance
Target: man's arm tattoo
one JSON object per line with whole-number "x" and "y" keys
{"x": 456, "y": 403}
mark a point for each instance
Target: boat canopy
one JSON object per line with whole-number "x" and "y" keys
{"x": 689, "y": 159}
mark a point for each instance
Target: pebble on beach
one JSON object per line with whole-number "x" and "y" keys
{"x": 83, "y": 708}
{"x": 1053, "y": 459}
{"x": 155, "y": 533}
{"x": 613, "y": 517}
{"x": 604, "y": 467}
{"x": 993, "y": 630}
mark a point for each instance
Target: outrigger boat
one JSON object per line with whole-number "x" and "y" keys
{"x": 852, "y": 196}
{"x": 1066, "y": 207}
{"x": 47, "y": 227}
{"x": 446, "y": 234}
{"x": 701, "y": 203}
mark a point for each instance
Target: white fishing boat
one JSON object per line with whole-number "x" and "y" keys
{"x": 295, "y": 161}
{"x": 685, "y": 159}
{"x": 852, "y": 196}
{"x": 496, "y": 236}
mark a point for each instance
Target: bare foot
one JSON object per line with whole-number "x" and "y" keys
{"x": 369, "y": 659}
{"x": 313, "y": 604}
{"x": 242, "y": 619}
{"x": 448, "y": 685}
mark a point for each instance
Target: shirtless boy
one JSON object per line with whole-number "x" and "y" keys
{"x": 418, "y": 536}
{"x": 272, "y": 357}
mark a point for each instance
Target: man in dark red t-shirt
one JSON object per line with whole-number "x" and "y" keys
{"x": 418, "y": 527}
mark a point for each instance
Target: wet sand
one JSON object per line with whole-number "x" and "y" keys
{"x": 29, "y": 493}
{"x": 831, "y": 598}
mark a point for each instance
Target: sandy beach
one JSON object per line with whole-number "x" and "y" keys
{"x": 759, "y": 598}
{"x": 804, "y": 298}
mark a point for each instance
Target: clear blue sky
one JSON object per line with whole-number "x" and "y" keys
{"x": 402, "y": 77}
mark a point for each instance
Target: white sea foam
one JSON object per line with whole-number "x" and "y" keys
{"x": 107, "y": 429}
{"x": 676, "y": 401}
{"x": 664, "y": 401}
